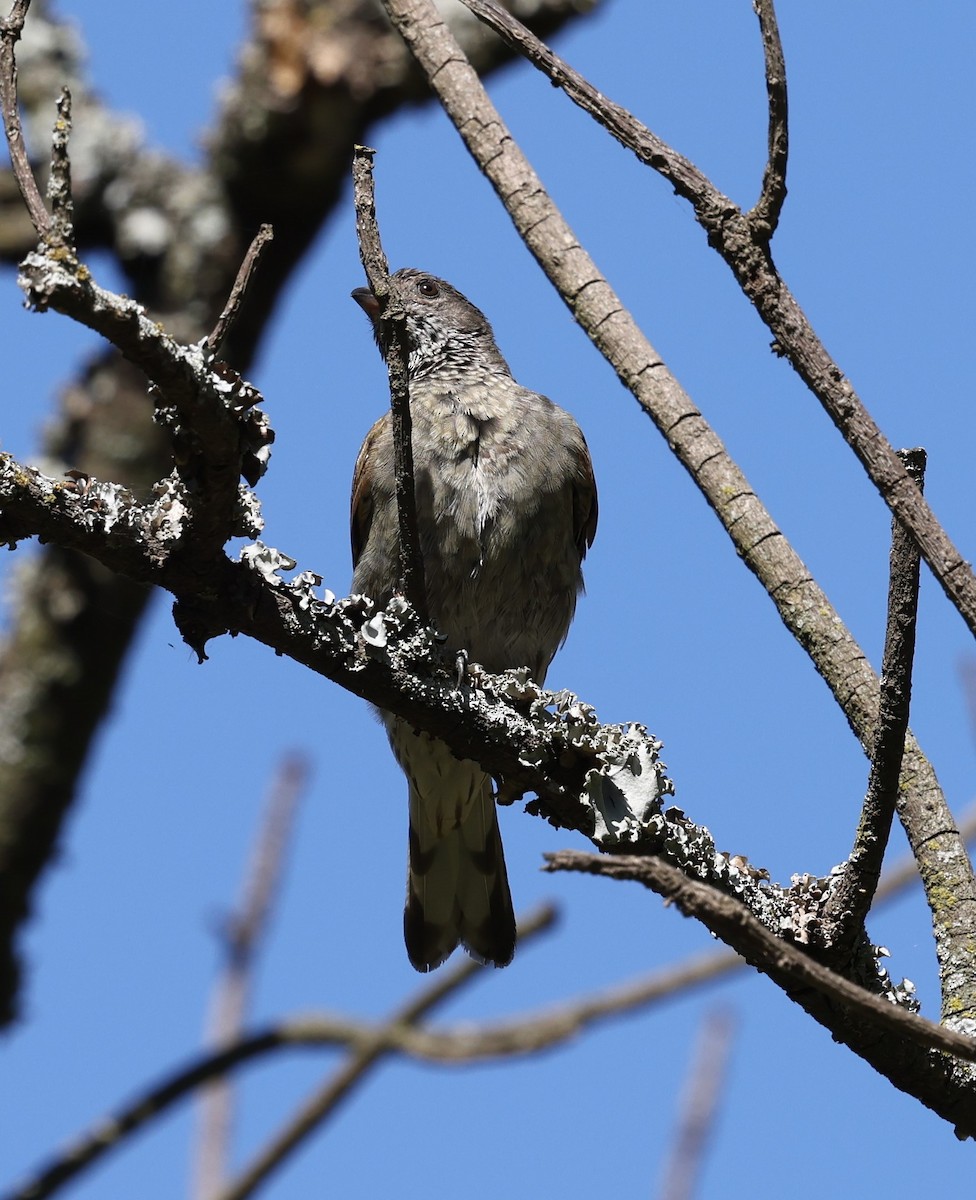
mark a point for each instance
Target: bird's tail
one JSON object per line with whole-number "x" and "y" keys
{"x": 457, "y": 886}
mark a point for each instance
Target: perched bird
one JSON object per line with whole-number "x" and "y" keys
{"x": 506, "y": 510}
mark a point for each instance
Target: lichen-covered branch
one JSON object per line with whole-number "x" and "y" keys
{"x": 279, "y": 152}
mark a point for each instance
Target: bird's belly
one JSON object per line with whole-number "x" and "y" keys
{"x": 500, "y": 582}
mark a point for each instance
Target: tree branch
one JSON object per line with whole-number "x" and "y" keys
{"x": 396, "y": 352}
{"x": 916, "y": 1055}
{"x": 367, "y": 1044}
{"x": 764, "y": 216}
{"x": 699, "y": 1103}
{"x": 848, "y": 905}
{"x": 237, "y": 293}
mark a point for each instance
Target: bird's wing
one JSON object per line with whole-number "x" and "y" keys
{"x": 585, "y": 506}
{"x": 361, "y": 504}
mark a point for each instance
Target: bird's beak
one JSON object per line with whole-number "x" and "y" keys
{"x": 367, "y": 302}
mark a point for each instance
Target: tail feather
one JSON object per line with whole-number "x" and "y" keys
{"x": 457, "y": 885}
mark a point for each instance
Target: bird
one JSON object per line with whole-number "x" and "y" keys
{"x": 506, "y": 511}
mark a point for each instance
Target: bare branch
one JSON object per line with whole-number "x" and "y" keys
{"x": 11, "y": 28}
{"x": 897, "y": 1042}
{"x": 764, "y": 216}
{"x": 396, "y": 352}
{"x": 699, "y": 1103}
{"x": 243, "y": 933}
{"x": 851, "y": 901}
{"x": 741, "y": 242}
{"x": 236, "y": 298}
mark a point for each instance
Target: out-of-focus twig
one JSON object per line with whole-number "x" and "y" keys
{"x": 243, "y": 934}
{"x": 338, "y": 1087}
{"x": 698, "y": 1107}
{"x": 367, "y": 1043}
{"x": 237, "y": 293}
{"x": 11, "y": 28}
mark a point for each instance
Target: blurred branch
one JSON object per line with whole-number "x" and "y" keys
{"x": 699, "y": 1104}
{"x": 226, "y": 319}
{"x": 521, "y": 1035}
{"x": 367, "y": 1043}
{"x": 848, "y": 905}
{"x": 370, "y": 1051}
{"x": 243, "y": 933}
{"x": 803, "y": 606}
{"x": 11, "y": 28}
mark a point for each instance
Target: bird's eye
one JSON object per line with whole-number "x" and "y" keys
{"x": 428, "y": 288}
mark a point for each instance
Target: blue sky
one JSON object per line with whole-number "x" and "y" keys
{"x": 876, "y": 242}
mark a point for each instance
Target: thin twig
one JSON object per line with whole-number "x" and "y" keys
{"x": 851, "y": 901}
{"x": 686, "y": 179}
{"x": 11, "y": 28}
{"x": 699, "y": 1105}
{"x": 396, "y": 352}
{"x": 764, "y": 217}
{"x": 244, "y": 933}
{"x": 216, "y": 337}
{"x": 730, "y": 920}
{"x": 367, "y": 1043}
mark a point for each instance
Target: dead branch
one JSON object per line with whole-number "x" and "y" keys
{"x": 851, "y": 901}
{"x": 896, "y": 1041}
{"x": 764, "y": 215}
{"x": 227, "y": 317}
{"x": 396, "y": 353}
{"x": 11, "y": 28}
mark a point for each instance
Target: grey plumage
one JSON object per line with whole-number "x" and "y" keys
{"x": 506, "y": 509}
